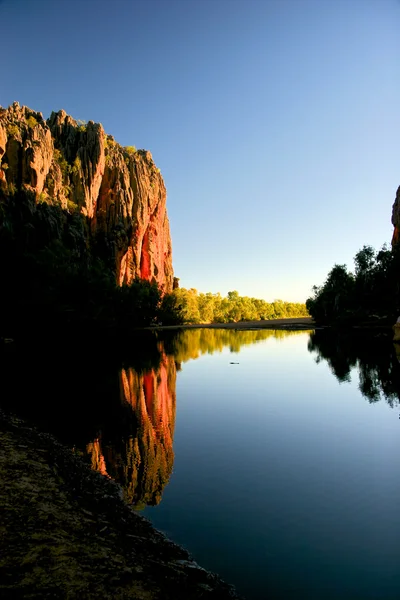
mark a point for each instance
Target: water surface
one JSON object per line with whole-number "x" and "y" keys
{"x": 286, "y": 478}
{"x": 273, "y": 457}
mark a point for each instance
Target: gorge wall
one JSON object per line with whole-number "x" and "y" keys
{"x": 81, "y": 169}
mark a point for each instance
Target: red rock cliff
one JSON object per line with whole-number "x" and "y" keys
{"x": 120, "y": 190}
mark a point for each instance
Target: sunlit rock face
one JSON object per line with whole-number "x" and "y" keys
{"x": 26, "y": 147}
{"x": 80, "y": 168}
{"x": 141, "y": 456}
{"x": 396, "y": 219}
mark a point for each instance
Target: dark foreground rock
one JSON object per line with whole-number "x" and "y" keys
{"x": 65, "y": 532}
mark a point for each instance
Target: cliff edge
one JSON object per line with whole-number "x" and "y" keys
{"x": 78, "y": 167}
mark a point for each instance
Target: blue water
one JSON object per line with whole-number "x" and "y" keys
{"x": 281, "y": 473}
{"x": 285, "y": 481}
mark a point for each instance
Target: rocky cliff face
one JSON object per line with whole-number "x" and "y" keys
{"x": 80, "y": 168}
{"x": 396, "y": 218}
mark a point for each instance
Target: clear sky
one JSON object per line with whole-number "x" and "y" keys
{"x": 275, "y": 123}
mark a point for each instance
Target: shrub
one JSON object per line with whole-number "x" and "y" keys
{"x": 109, "y": 141}
{"x": 31, "y": 122}
{"x": 12, "y": 130}
{"x": 42, "y": 197}
{"x": 72, "y": 207}
{"x": 82, "y": 125}
{"x": 77, "y": 166}
{"x": 130, "y": 149}
{"x": 60, "y": 159}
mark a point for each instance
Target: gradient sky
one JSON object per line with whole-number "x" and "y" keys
{"x": 275, "y": 123}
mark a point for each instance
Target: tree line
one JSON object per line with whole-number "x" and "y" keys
{"x": 195, "y": 307}
{"x": 59, "y": 279}
{"x": 369, "y": 293}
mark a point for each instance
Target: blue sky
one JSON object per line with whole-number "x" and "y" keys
{"x": 275, "y": 123}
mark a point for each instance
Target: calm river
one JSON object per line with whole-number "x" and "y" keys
{"x": 273, "y": 457}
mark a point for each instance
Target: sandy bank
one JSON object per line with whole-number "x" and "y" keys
{"x": 299, "y": 323}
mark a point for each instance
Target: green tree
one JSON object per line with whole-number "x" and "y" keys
{"x": 206, "y": 307}
{"x": 335, "y": 298}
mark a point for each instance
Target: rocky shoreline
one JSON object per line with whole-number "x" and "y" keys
{"x": 67, "y": 533}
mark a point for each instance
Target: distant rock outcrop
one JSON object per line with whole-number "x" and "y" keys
{"x": 80, "y": 168}
{"x": 396, "y": 218}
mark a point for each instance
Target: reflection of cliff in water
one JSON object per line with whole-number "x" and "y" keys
{"x": 134, "y": 445}
{"x": 123, "y": 418}
{"x": 139, "y": 454}
{"x": 372, "y": 355}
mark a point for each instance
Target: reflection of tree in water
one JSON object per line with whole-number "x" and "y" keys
{"x": 373, "y": 355}
{"x": 139, "y": 453}
{"x": 190, "y": 344}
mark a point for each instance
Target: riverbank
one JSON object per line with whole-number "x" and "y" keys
{"x": 298, "y": 323}
{"x": 67, "y": 533}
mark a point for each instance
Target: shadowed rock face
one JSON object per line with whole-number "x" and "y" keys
{"x": 80, "y": 168}
{"x": 141, "y": 456}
